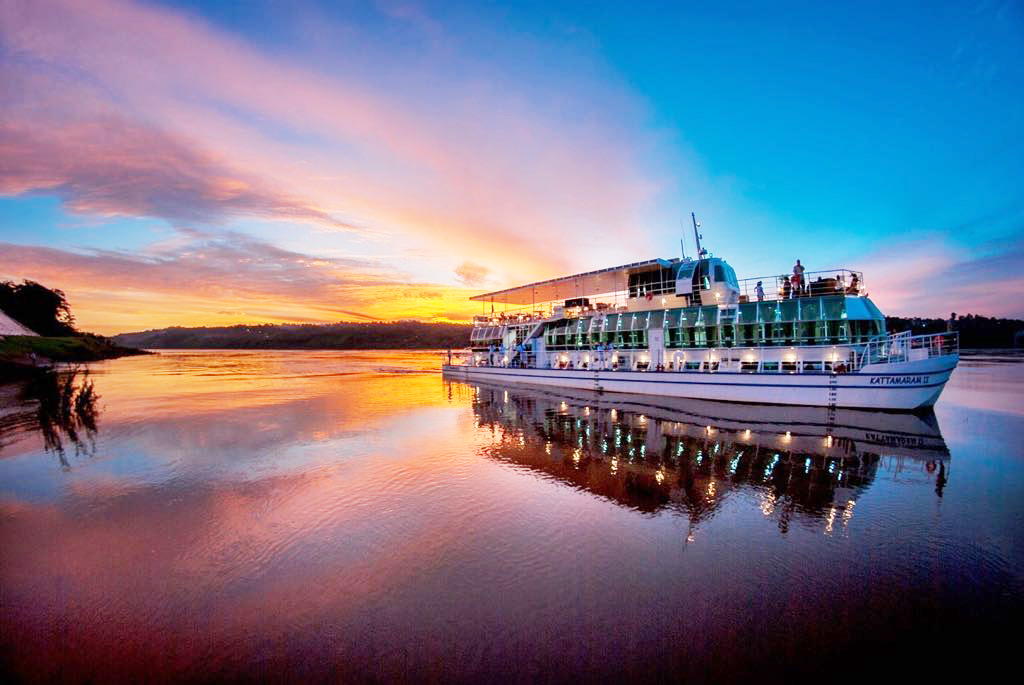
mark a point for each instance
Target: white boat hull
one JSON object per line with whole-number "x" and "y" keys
{"x": 896, "y": 386}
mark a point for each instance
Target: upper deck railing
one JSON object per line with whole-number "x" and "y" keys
{"x": 815, "y": 283}
{"x": 780, "y": 287}
{"x": 904, "y": 347}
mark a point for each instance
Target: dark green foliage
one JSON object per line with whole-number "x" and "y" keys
{"x": 338, "y": 336}
{"x": 22, "y": 356}
{"x": 975, "y": 331}
{"x": 44, "y": 311}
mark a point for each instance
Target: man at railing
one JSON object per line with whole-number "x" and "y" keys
{"x": 798, "y": 278}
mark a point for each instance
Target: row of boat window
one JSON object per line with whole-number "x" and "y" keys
{"x": 803, "y": 309}
{"x": 786, "y": 333}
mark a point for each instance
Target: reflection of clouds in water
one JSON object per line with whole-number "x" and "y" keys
{"x": 261, "y": 510}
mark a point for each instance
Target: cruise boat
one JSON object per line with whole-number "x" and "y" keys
{"x": 689, "y": 328}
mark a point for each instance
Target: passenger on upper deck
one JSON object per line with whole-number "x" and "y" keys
{"x": 798, "y": 278}
{"x": 854, "y": 285}
{"x": 759, "y": 291}
{"x": 787, "y": 288}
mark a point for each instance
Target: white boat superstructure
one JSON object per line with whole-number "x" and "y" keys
{"x": 688, "y": 328}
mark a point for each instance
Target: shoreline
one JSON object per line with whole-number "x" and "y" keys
{"x": 23, "y": 356}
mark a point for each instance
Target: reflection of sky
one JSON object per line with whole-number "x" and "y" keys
{"x": 335, "y": 161}
{"x": 248, "y": 510}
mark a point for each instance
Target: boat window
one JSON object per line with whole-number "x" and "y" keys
{"x": 812, "y": 367}
{"x": 719, "y": 274}
{"x": 730, "y": 276}
{"x": 692, "y": 366}
{"x": 789, "y": 367}
{"x": 810, "y": 309}
{"x": 700, "y": 276}
{"x": 770, "y": 367}
{"x": 748, "y": 367}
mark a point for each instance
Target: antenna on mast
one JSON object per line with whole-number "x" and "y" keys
{"x": 682, "y": 245}
{"x": 697, "y": 236}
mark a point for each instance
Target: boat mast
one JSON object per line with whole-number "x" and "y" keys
{"x": 697, "y": 236}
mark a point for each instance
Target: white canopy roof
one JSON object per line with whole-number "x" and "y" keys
{"x": 609, "y": 280}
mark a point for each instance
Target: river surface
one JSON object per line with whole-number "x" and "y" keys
{"x": 312, "y": 516}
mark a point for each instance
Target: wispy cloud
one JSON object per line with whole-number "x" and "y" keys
{"x": 113, "y": 167}
{"x": 223, "y": 278}
{"x": 928, "y": 278}
{"x": 124, "y": 108}
{"x": 473, "y": 275}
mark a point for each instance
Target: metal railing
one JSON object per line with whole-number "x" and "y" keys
{"x": 904, "y": 347}
{"x": 815, "y": 283}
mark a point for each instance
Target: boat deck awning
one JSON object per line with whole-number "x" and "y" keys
{"x": 609, "y": 280}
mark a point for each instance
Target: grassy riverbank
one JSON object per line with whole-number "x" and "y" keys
{"x": 21, "y": 355}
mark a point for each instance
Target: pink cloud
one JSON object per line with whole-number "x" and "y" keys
{"x": 927, "y": 278}
{"x": 469, "y": 165}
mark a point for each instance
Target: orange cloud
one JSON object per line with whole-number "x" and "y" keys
{"x": 228, "y": 278}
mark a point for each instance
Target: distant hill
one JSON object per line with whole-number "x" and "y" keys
{"x": 975, "y": 332}
{"x": 338, "y": 336}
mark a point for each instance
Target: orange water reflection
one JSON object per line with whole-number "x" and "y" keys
{"x": 336, "y": 515}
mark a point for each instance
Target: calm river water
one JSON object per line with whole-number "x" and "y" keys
{"x": 308, "y": 516}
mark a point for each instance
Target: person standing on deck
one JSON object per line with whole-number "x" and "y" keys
{"x": 787, "y": 288}
{"x": 759, "y": 291}
{"x": 798, "y": 278}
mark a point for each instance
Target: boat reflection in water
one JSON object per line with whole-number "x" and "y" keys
{"x": 692, "y": 455}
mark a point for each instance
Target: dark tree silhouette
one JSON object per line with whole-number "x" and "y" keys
{"x": 41, "y": 309}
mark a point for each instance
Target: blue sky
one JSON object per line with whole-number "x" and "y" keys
{"x": 415, "y": 152}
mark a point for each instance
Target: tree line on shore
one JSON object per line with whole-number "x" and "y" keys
{"x": 47, "y": 312}
{"x": 340, "y": 336}
{"x": 976, "y": 332}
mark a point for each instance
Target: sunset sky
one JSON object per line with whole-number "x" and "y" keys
{"x": 202, "y": 163}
